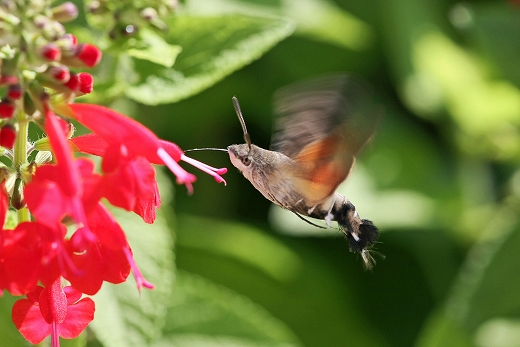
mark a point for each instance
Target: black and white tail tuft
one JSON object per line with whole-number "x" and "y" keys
{"x": 361, "y": 234}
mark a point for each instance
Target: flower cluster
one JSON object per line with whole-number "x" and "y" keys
{"x": 123, "y": 19}
{"x": 63, "y": 233}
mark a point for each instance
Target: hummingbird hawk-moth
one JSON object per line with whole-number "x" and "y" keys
{"x": 322, "y": 124}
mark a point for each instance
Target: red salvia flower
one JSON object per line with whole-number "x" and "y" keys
{"x": 62, "y": 181}
{"x": 64, "y": 231}
{"x": 92, "y": 246}
{"x": 31, "y": 252}
{"x": 116, "y": 133}
{"x": 54, "y": 311}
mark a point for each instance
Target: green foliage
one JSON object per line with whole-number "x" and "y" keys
{"x": 212, "y": 48}
{"x": 322, "y": 20}
{"x": 203, "y": 313}
{"x": 196, "y": 53}
{"x": 156, "y": 50}
{"x": 10, "y": 336}
{"x": 125, "y": 317}
{"x": 483, "y": 302}
{"x": 441, "y": 178}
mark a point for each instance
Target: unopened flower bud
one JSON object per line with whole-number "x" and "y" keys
{"x": 7, "y": 136}
{"x": 17, "y": 199}
{"x": 73, "y": 82}
{"x": 6, "y": 79}
{"x": 50, "y": 52}
{"x": 14, "y": 91}
{"x": 172, "y": 4}
{"x": 68, "y": 45}
{"x": 86, "y": 82}
{"x": 41, "y": 21}
{"x": 9, "y": 18}
{"x": 148, "y": 13}
{"x": 38, "y": 97}
{"x": 89, "y": 54}
{"x": 60, "y": 73}
{"x": 65, "y": 12}
{"x": 96, "y": 7}
{"x": 7, "y": 108}
{"x": 71, "y": 38}
{"x": 53, "y": 31}
{"x": 28, "y": 105}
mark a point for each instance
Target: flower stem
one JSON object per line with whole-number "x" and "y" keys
{"x": 20, "y": 145}
{"x": 20, "y": 157}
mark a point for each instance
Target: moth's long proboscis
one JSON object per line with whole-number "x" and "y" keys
{"x": 206, "y": 149}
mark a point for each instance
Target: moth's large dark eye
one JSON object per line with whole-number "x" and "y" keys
{"x": 246, "y": 161}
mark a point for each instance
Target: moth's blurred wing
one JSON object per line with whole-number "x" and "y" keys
{"x": 313, "y": 110}
{"x": 323, "y": 165}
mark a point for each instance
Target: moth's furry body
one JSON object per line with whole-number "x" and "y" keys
{"x": 320, "y": 129}
{"x": 274, "y": 175}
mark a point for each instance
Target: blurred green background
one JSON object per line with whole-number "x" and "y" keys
{"x": 440, "y": 179}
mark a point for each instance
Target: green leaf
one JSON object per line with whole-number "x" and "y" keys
{"x": 318, "y": 19}
{"x": 205, "y": 314}
{"x": 488, "y": 285}
{"x": 156, "y": 50}
{"x": 212, "y": 48}
{"x": 294, "y": 284}
{"x": 499, "y": 332}
{"x": 80, "y": 341}
{"x": 440, "y": 330}
{"x": 207, "y": 341}
{"x": 496, "y": 28}
{"x": 241, "y": 242}
{"x": 486, "y": 289}
{"x": 125, "y": 317}
{"x": 8, "y": 332}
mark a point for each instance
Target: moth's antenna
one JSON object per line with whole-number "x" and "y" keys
{"x": 242, "y": 122}
{"x": 205, "y": 149}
